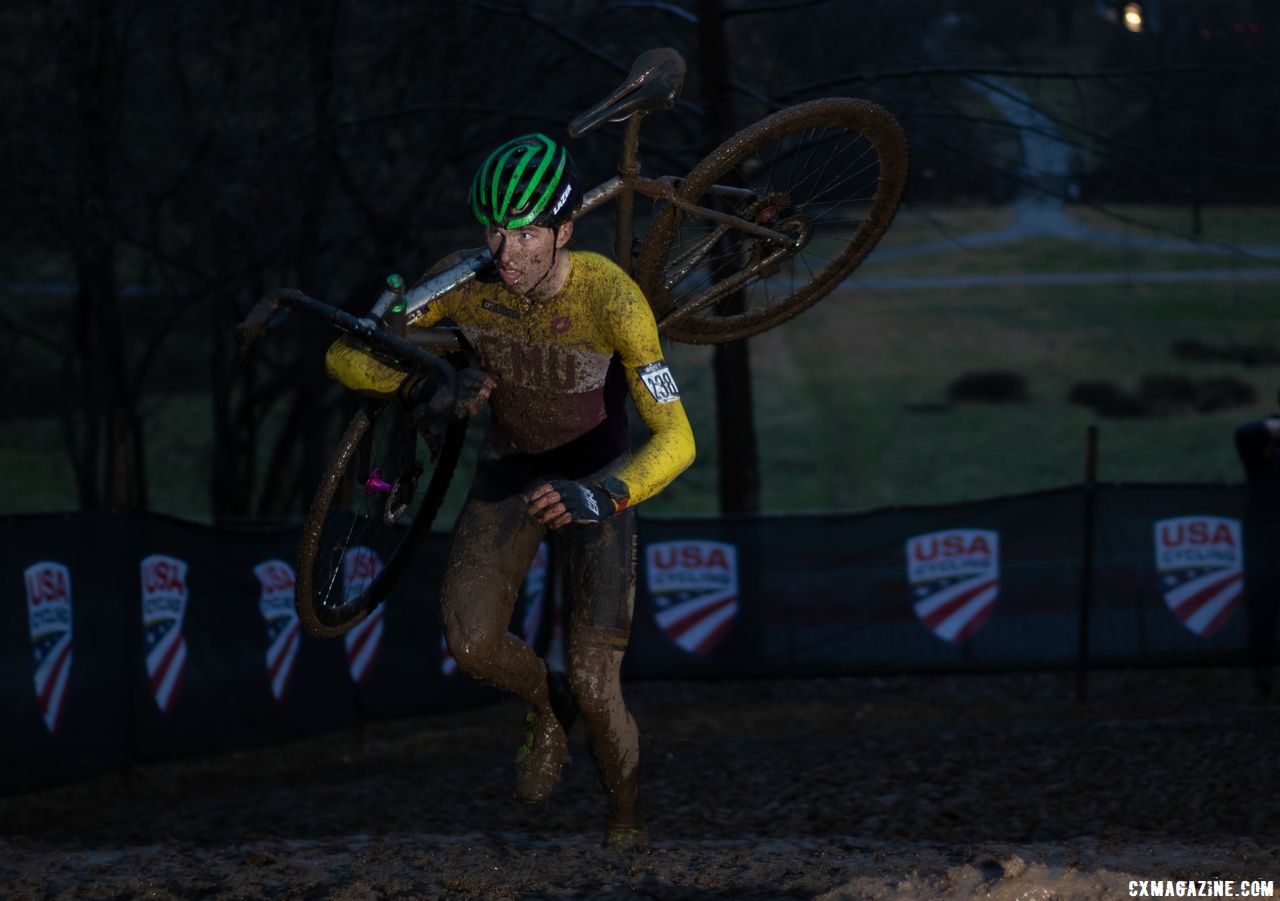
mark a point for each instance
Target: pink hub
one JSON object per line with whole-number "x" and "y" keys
{"x": 374, "y": 484}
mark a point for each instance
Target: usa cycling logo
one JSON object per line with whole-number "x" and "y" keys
{"x": 1200, "y": 564}
{"x": 49, "y": 620}
{"x": 164, "y": 607}
{"x": 693, "y": 586}
{"x": 528, "y": 616}
{"x": 953, "y": 579}
{"x": 360, "y": 566}
{"x": 276, "y": 604}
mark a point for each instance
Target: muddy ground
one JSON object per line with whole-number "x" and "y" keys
{"x": 952, "y": 787}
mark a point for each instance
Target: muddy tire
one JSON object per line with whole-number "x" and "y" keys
{"x": 828, "y": 172}
{"x": 353, "y": 549}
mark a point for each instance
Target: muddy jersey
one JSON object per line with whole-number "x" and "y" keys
{"x": 562, "y": 366}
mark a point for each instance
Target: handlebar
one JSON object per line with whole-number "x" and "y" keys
{"x": 383, "y": 328}
{"x": 264, "y": 317}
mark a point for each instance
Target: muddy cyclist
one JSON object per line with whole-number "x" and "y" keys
{"x": 562, "y": 338}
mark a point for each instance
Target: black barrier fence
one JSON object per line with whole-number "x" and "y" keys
{"x": 132, "y": 637}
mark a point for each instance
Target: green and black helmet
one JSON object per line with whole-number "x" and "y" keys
{"x": 530, "y": 180}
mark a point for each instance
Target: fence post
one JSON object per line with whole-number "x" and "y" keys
{"x": 1086, "y": 561}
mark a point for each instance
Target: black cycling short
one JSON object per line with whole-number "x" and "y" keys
{"x": 495, "y": 539}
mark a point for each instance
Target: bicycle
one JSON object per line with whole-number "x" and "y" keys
{"x": 809, "y": 189}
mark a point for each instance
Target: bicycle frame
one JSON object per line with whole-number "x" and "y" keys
{"x": 732, "y": 250}
{"x": 622, "y": 190}
{"x": 655, "y": 82}
{"x": 629, "y": 182}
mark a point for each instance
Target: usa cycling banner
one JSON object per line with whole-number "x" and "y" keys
{"x": 135, "y": 637}
{"x": 693, "y": 587}
{"x": 164, "y": 607}
{"x": 954, "y": 578}
{"x": 1200, "y": 564}
{"x": 49, "y": 622}
{"x": 531, "y": 610}
{"x": 284, "y": 632}
{"x": 696, "y": 609}
{"x": 360, "y": 566}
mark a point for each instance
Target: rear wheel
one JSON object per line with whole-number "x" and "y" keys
{"x": 375, "y": 504}
{"x": 827, "y": 174}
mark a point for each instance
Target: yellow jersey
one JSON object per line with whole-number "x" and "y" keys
{"x": 562, "y": 367}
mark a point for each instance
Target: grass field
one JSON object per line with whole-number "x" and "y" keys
{"x": 852, "y": 398}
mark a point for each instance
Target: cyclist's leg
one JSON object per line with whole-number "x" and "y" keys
{"x": 492, "y": 546}
{"x": 599, "y": 583}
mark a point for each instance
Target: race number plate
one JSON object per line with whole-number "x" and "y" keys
{"x": 658, "y": 379}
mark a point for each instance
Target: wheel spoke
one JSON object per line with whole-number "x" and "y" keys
{"x": 343, "y": 517}
{"x": 819, "y": 176}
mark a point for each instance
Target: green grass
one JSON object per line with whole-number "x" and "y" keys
{"x": 852, "y": 408}
{"x": 862, "y": 367}
{"x": 1232, "y": 225}
{"x": 916, "y": 225}
{"x": 1053, "y": 255}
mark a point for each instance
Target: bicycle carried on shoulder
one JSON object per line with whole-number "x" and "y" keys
{"x": 764, "y": 227}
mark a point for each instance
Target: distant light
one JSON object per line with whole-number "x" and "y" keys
{"x": 1133, "y": 17}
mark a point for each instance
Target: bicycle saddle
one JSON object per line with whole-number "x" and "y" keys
{"x": 654, "y": 83}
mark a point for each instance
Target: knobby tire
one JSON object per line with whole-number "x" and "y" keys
{"x": 829, "y": 134}
{"x": 319, "y": 616}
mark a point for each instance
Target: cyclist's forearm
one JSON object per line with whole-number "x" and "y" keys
{"x": 668, "y": 452}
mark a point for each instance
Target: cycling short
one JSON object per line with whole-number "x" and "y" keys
{"x": 495, "y": 539}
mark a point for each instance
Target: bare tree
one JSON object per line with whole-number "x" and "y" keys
{"x": 183, "y": 160}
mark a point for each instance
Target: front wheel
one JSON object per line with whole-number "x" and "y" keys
{"x": 827, "y": 175}
{"x": 375, "y": 504}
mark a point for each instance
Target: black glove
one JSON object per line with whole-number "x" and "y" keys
{"x": 474, "y": 387}
{"x": 428, "y": 399}
{"x": 562, "y": 501}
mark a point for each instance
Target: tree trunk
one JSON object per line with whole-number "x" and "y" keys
{"x": 110, "y": 463}
{"x": 731, "y": 362}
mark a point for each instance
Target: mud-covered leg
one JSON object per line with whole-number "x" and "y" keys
{"x": 612, "y": 734}
{"x": 599, "y": 570}
{"x": 493, "y": 544}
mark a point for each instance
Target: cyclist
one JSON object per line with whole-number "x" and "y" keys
{"x": 562, "y": 337}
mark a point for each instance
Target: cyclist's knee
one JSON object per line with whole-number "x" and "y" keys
{"x": 472, "y": 644}
{"x": 590, "y": 694}
{"x": 594, "y": 682}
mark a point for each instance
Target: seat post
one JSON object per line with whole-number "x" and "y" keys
{"x": 629, "y": 169}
